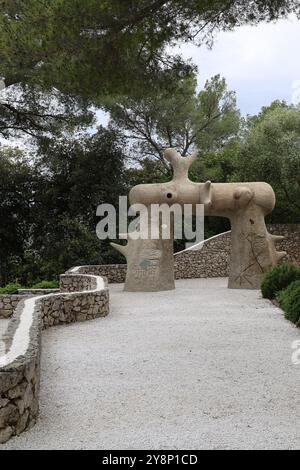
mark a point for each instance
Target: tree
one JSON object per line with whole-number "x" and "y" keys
{"x": 78, "y": 46}
{"x": 36, "y": 113}
{"x": 270, "y": 151}
{"x": 17, "y": 183}
{"x": 94, "y": 48}
{"x": 78, "y": 175}
{"x": 48, "y": 207}
{"x": 182, "y": 119}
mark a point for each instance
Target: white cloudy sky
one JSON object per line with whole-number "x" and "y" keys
{"x": 260, "y": 63}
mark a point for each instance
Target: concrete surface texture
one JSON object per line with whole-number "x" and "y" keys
{"x": 150, "y": 262}
{"x": 202, "y": 367}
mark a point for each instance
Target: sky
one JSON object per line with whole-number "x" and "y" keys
{"x": 260, "y": 63}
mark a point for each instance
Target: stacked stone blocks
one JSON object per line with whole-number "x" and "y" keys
{"x": 80, "y": 300}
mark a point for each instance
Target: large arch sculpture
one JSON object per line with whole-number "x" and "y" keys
{"x": 150, "y": 263}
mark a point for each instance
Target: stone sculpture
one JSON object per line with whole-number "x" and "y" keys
{"x": 150, "y": 263}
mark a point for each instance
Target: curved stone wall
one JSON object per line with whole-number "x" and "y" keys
{"x": 212, "y": 260}
{"x": 9, "y": 302}
{"x": 79, "y": 282}
{"x": 114, "y": 273}
{"x": 21, "y": 345}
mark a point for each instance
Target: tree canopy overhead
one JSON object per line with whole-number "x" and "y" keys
{"x": 83, "y": 51}
{"x": 181, "y": 118}
{"x": 96, "y": 47}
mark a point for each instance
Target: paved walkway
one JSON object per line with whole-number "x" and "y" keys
{"x": 199, "y": 367}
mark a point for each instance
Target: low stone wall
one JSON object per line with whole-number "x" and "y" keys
{"x": 114, "y": 273}
{"x": 79, "y": 282}
{"x": 20, "y": 347}
{"x": 30, "y": 292}
{"x": 291, "y": 242}
{"x": 212, "y": 260}
{"x": 20, "y": 379}
{"x": 80, "y": 306}
{"x": 9, "y": 302}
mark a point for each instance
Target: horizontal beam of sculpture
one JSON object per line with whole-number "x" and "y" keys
{"x": 150, "y": 264}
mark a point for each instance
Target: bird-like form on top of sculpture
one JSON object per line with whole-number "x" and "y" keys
{"x": 150, "y": 263}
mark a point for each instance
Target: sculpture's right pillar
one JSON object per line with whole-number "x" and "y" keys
{"x": 253, "y": 251}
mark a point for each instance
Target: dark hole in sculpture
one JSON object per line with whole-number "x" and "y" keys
{"x": 169, "y": 195}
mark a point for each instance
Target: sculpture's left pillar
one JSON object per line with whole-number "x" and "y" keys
{"x": 150, "y": 261}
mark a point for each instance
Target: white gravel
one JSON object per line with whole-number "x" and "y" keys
{"x": 202, "y": 367}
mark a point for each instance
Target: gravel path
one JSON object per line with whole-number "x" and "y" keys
{"x": 199, "y": 367}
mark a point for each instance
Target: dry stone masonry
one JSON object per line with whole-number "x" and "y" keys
{"x": 114, "y": 273}
{"x": 82, "y": 298}
{"x": 212, "y": 260}
{"x": 9, "y": 302}
{"x": 214, "y": 257}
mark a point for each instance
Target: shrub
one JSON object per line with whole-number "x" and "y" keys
{"x": 45, "y": 285}
{"x": 278, "y": 279}
{"x": 289, "y": 300}
{"x": 10, "y": 288}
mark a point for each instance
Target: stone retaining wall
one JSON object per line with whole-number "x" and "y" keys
{"x": 291, "y": 243}
{"x": 9, "y": 302}
{"x": 80, "y": 282}
{"x": 20, "y": 348}
{"x": 211, "y": 261}
{"x": 114, "y": 273}
{"x": 20, "y": 379}
{"x": 71, "y": 283}
{"x": 30, "y": 292}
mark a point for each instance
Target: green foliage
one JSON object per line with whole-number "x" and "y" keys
{"x": 219, "y": 166}
{"x": 183, "y": 119}
{"x": 60, "y": 58}
{"x": 10, "y": 288}
{"x": 289, "y": 300}
{"x": 45, "y": 285}
{"x": 278, "y": 279}
{"x": 270, "y": 152}
{"x": 82, "y": 52}
{"x": 95, "y": 47}
{"x": 17, "y": 184}
{"x": 48, "y": 223}
{"x": 29, "y": 111}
